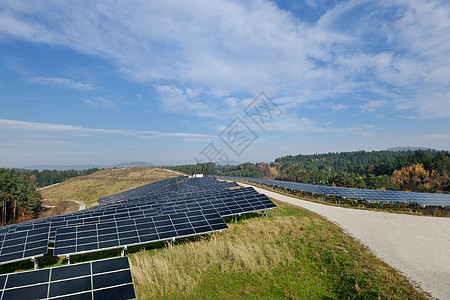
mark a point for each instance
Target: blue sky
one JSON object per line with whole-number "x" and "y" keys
{"x": 87, "y": 82}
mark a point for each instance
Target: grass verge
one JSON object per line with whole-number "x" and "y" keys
{"x": 292, "y": 254}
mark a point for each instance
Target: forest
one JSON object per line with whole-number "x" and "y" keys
{"x": 41, "y": 178}
{"x": 20, "y": 200}
{"x": 419, "y": 171}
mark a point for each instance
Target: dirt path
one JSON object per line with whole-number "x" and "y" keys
{"x": 48, "y": 186}
{"x": 418, "y": 246}
{"x": 175, "y": 172}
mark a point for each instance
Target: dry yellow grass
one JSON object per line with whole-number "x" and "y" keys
{"x": 292, "y": 254}
{"x": 252, "y": 249}
{"x": 103, "y": 183}
{"x": 59, "y": 207}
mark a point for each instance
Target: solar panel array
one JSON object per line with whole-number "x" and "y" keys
{"x": 110, "y": 235}
{"x": 168, "y": 209}
{"x": 154, "y": 186}
{"x": 165, "y": 210}
{"x": 103, "y": 279}
{"x": 422, "y": 199}
{"x": 21, "y": 245}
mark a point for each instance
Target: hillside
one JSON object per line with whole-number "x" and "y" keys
{"x": 291, "y": 254}
{"x": 103, "y": 183}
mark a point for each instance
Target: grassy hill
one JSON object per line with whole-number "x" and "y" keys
{"x": 103, "y": 183}
{"x": 291, "y": 254}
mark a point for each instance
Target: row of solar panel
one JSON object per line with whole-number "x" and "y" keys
{"x": 139, "y": 190}
{"x": 34, "y": 243}
{"x": 171, "y": 191}
{"x": 423, "y": 199}
{"x": 110, "y": 206}
{"x": 225, "y": 202}
{"x": 104, "y": 279}
{"x": 128, "y": 223}
{"x": 191, "y": 208}
{"x": 37, "y": 240}
{"x": 103, "y": 236}
{"x": 77, "y": 213}
{"x": 177, "y": 185}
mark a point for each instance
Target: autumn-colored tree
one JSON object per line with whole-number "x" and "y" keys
{"x": 34, "y": 180}
{"x": 273, "y": 172}
{"x": 414, "y": 177}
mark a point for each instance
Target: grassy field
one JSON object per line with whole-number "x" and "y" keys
{"x": 292, "y": 254}
{"x": 103, "y": 183}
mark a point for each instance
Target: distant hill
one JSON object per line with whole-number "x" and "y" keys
{"x": 409, "y": 149}
{"x": 83, "y": 167}
{"x": 133, "y": 164}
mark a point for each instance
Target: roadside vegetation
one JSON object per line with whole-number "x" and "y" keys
{"x": 292, "y": 254}
{"x": 103, "y": 183}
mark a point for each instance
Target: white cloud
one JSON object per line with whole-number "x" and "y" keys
{"x": 338, "y": 107}
{"x": 62, "y": 83}
{"x": 188, "y": 101}
{"x": 23, "y": 126}
{"x": 198, "y": 55}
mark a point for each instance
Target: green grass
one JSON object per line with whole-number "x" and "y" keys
{"x": 292, "y": 254}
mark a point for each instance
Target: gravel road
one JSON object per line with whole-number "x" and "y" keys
{"x": 418, "y": 246}
{"x": 81, "y": 204}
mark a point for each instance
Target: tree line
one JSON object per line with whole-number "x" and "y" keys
{"x": 420, "y": 170}
{"x": 41, "y": 178}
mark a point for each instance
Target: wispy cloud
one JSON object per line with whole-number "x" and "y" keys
{"x": 374, "y": 105}
{"x": 225, "y": 49}
{"x": 14, "y": 125}
{"x": 62, "y": 83}
{"x": 101, "y": 102}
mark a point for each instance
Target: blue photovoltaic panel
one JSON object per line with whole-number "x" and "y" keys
{"x": 21, "y": 245}
{"x": 111, "y": 235}
{"x": 423, "y": 199}
{"x": 103, "y": 279}
{"x": 166, "y": 198}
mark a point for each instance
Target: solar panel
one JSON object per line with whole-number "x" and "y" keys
{"x": 152, "y": 187}
{"x": 113, "y": 235}
{"x": 103, "y": 279}
{"x": 82, "y": 231}
{"x": 424, "y": 199}
{"x": 21, "y": 245}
